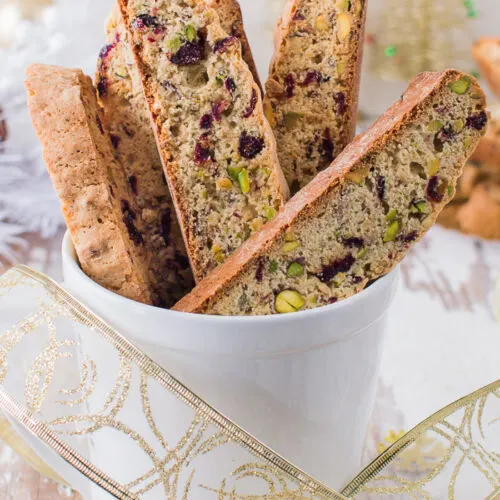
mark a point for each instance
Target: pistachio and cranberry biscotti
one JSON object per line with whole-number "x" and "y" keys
{"x": 217, "y": 148}
{"x": 312, "y": 91}
{"x": 359, "y": 217}
{"x": 486, "y": 52}
{"x": 90, "y": 183}
{"x": 127, "y": 119}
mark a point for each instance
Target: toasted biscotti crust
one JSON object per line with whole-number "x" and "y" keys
{"x": 312, "y": 91}
{"x": 486, "y": 52}
{"x": 127, "y": 118}
{"x": 231, "y": 20}
{"x": 358, "y": 218}
{"x": 218, "y": 151}
{"x": 89, "y": 182}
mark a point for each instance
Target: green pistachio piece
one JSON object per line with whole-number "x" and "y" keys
{"x": 234, "y": 173}
{"x": 450, "y": 190}
{"x": 289, "y": 236}
{"x": 289, "y": 301}
{"x": 220, "y": 78}
{"x": 190, "y": 33}
{"x": 435, "y": 126}
{"x": 460, "y": 86}
{"x": 392, "y": 231}
{"x": 291, "y": 119}
{"x": 174, "y": 43}
{"x": 419, "y": 207}
{"x": 270, "y": 213}
{"x": 290, "y": 246}
{"x": 362, "y": 253}
{"x": 391, "y": 216}
{"x": 433, "y": 167}
{"x": 295, "y": 269}
{"x": 273, "y": 266}
{"x": 458, "y": 125}
{"x": 244, "y": 181}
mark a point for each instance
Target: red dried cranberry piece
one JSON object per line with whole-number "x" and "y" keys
{"x": 206, "y": 121}
{"x": 106, "y": 50}
{"x": 339, "y": 98}
{"x": 381, "y": 187}
{"x": 250, "y": 146}
{"x": 115, "y": 140}
{"x": 259, "y": 273}
{"x": 165, "y": 225}
{"x": 311, "y": 77}
{"x": 222, "y": 45}
{"x": 251, "y": 107}
{"x": 202, "y": 152}
{"x": 218, "y": 108}
{"x": 129, "y": 132}
{"x": 102, "y": 85}
{"x": 129, "y": 216}
{"x": 140, "y": 23}
{"x": 357, "y": 279}
{"x": 189, "y": 53}
{"x": 477, "y": 121}
{"x": 289, "y": 85}
{"x": 408, "y": 238}
{"x": 298, "y": 16}
{"x": 435, "y": 192}
{"x": 230, "y": 85}
{"x": 353, "y": 242}
{"x": 326, "y": 148}
{"x": 445, "y": 135}
{"x": 132, "y": 180}
{"x": 338, "y": 266}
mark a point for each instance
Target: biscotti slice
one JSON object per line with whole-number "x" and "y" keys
{"x": 486, "y": 52}
{"x": 359, "y": 217}
{"x": 127, "y": 119}
{"x": 90, "y": 183}
{"x": 480, "y": 216}
{"x": 231, "y": 20}
{"x": 312, "y": 91}
{"x": 217, "y": 148}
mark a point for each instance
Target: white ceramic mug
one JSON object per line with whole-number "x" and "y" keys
{"x": 304, "y": 383}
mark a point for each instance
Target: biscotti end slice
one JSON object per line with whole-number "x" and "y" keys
{"x": 89, "y": 182}
{"x": 218, "y": 151}
{"x": 312, "y": 91}
{"x": 127, "y": 118}
{"x": 231, "y": 20}
{"x": 358, "y": 218}
{"x": 486, "y": 52}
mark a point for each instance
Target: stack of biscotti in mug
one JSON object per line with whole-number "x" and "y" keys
{"x": 170, "y": 174}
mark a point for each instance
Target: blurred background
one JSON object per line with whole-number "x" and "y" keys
{"x": 444, "y": 337}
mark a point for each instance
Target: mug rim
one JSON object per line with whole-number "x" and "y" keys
{"x": 70, "y": 259}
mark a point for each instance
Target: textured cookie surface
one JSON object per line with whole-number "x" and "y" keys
{"x": 312, "y": 91}
{"x": 217, "y": 148}
{"x": 127, "y": 119}
{"x": 486, "y": 52}
{"x": 359, "y": 217}
{"x": 90, "y": 184}
{"x": 481, "y": 215}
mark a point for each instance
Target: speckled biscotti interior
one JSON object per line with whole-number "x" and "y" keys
{"x": 312, "y": 91}
{"x": 357, "y": 219}
{"x": 127, "y": 119}
{"x": 90, "y": 183}
{"x": 218, "y": 150}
